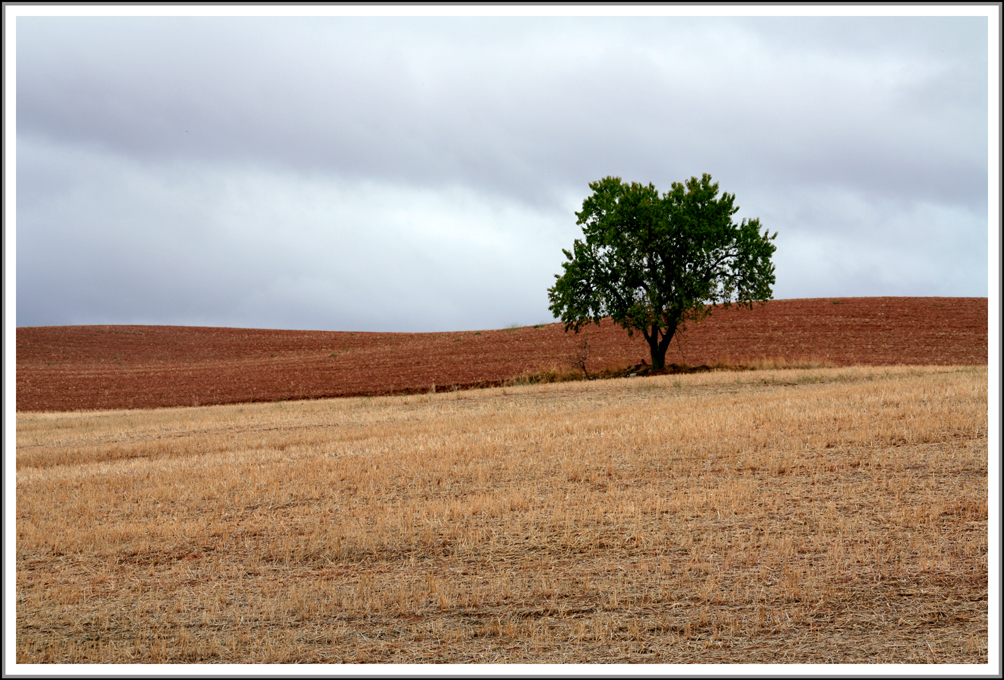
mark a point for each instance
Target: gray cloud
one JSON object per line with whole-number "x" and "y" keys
{"x": 422, "y": 173}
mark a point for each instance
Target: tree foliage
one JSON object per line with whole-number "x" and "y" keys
{"x": 654, "y": 262}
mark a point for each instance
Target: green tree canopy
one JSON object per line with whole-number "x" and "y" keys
{"x": 653, "y": 263}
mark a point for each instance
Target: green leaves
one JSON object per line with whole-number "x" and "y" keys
{"x": 653, "y": 262}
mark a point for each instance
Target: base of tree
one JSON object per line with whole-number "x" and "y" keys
{"x": 643, "y": 369}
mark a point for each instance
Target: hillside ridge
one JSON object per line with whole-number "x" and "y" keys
{"x": 65, "y": 368}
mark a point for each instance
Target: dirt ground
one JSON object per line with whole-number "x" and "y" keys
{"x": 67, "y": 368}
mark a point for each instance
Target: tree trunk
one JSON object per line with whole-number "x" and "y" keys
{"x": 658, "y": 356}
{"x": 659, "y": 347}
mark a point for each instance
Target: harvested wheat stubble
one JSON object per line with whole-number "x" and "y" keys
{"x": 799, "y": 516}
{"x": 66, "y": 368}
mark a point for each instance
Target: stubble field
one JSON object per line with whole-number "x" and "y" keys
{"x": 834, "y": 515}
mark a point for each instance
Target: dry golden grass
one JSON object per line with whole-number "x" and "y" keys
{"x": 790, "y": 516}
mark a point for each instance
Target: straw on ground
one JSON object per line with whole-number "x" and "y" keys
{"x": 822, "y": 515}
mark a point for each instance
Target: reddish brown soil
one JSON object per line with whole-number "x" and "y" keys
{"x": 65, "y": 368}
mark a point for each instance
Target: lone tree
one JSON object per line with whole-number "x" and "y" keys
{"x": 653, "y": 263}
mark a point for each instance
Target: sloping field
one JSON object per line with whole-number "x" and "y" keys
{"x": 65, "y": 368}
{"x": 832, "y": 515}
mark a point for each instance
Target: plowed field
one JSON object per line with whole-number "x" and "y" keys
{"x": 66, "y": 368}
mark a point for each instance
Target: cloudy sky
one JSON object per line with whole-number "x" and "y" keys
{"x": 422, "y": 173}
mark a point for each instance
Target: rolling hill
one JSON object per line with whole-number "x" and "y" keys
{"x": 66, "y": 368}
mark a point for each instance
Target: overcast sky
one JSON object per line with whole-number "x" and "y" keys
{"x": 422, "y": 173}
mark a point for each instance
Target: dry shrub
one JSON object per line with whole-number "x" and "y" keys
{"x": 553, "y": 374}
